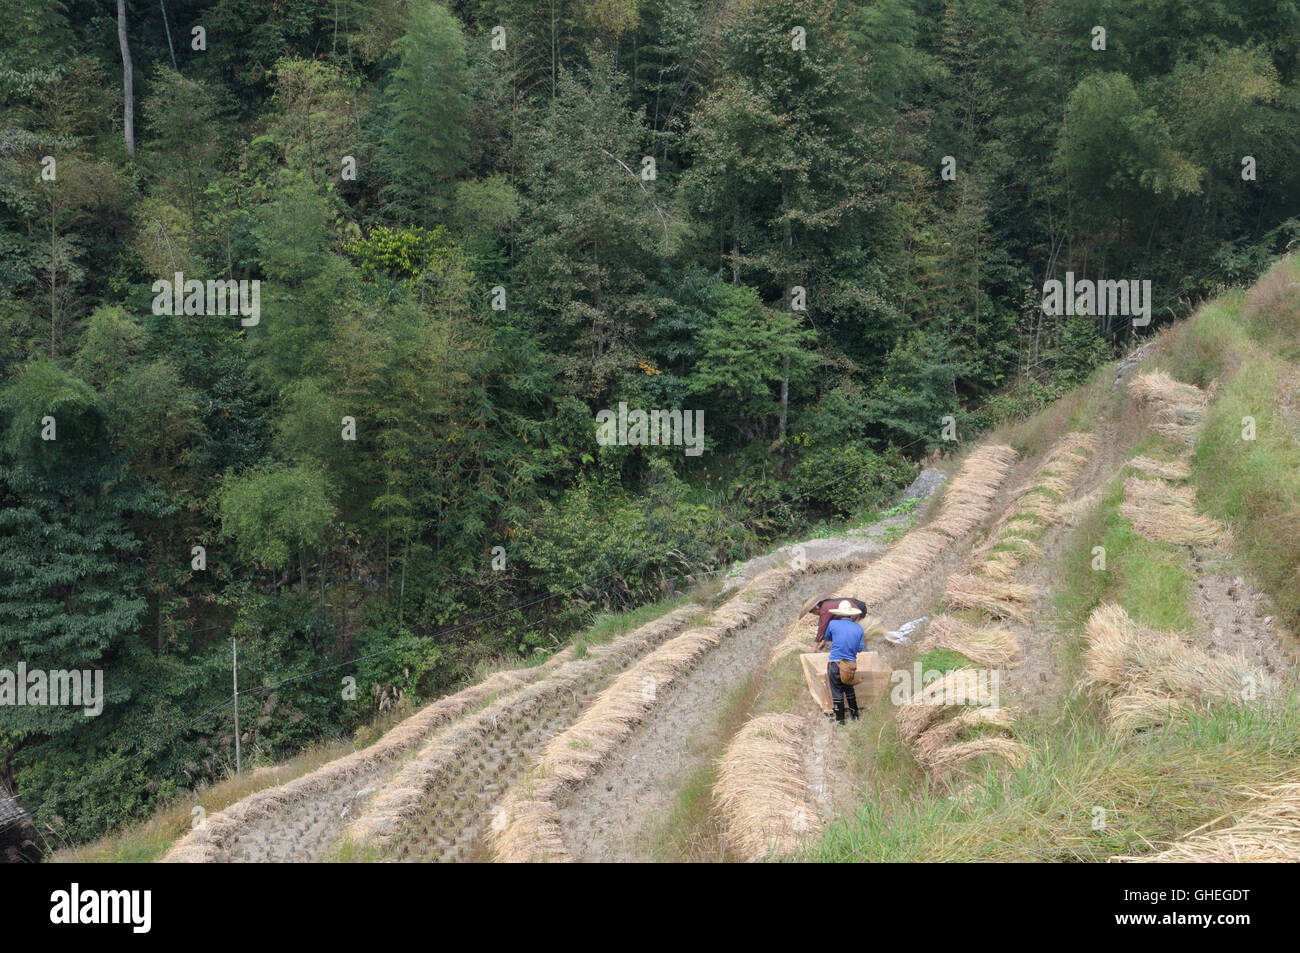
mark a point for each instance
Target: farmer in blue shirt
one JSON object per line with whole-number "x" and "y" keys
{"x": 846, "y": 639}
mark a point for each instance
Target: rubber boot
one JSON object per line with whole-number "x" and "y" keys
{"x": 853, "y": 711}
{"x": 839, "y": 713}
{"x": 851, "y": 698}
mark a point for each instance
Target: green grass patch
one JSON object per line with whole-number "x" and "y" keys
{"x": 692, "y": 830}
{"x": 1085, "y": 795}
{"x": 944, "y": 661}
{"x": 1151, "y": 580}
{"x": 350, "y": 852}
{"x": 1254, "y": 485}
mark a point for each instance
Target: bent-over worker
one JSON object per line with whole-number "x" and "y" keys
{"x": 847, "y": 639}
{"x": 822, "y": 609}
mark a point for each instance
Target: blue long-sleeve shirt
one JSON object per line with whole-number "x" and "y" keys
{"x": 846, "y": 638}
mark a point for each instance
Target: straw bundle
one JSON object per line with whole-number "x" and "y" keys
{"x": 1011, "y": 553}
{"x": 946, "y": 760}
{"x": 942, "y": 734}
{"x": 1268, "y": 832}
{"x": 1149, "y": 677}
{"x": 211, "y": 843}
{"x": 995, "y": 647}
{"x": 533, "y": 833}
{"x": 1165, "y": 469}
{"x": 1167, "y": 395}
{"x": 925, "y": 707}
{"x": 571, "y": 758}
{"x": 1001, "y": 600}
{"x": 972, "y": 491}
{"x": 1166, "y": 513}
{"x": 942, "y": 744}
{"x": 761, "y": 789}
{"x": 1019, "y": 525}
{"x": 1179, "y": 407}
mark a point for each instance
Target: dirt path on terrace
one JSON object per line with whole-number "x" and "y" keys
{"x": 1238, "y": 619}
{"x": 615, "y": 815}
{"x": 828, "y": 752}
{"x": 1038, "y": 684}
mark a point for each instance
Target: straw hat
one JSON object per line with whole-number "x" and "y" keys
{"x": 845, "y": 608}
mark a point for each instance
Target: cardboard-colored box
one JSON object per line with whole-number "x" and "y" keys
{"x": 872, "y": 681}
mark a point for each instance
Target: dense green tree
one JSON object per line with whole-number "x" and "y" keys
{"x": 277, "y": 513}
{"x": 750, "y": 358}
{"x": 425, "y": 138}
{"x": 595, "y": 229}
{"x": 69, "y": 561}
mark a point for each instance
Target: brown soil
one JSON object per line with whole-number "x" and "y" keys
{"x": 1238, "y": 619}
{"x": 614, "y": 816}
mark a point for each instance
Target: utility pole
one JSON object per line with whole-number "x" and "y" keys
{"x": 234, "y": 650}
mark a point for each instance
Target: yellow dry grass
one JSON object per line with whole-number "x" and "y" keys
{"x": 1179, "y": 407}
{"x": 209, "y": 843}
{"x": 972, "y": 491}
{"x": 993, "y": 646}
{"x": 1148, "y": 677}
{"x": 528, "y": 830}
{"x": 1267, "y": 832}
{"x": 997, "y": 598}
{"x": 1164, "y": 469}
{"x": 1166, "y": 513}
{"x": 761, "y": 790}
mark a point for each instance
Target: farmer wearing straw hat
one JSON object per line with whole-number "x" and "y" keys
{"x": 847, "y": 639}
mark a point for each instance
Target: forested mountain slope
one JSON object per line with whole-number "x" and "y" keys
{"x": 323, "y": 326}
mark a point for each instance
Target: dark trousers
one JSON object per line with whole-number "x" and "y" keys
{"x": 839, "y": 691}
